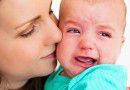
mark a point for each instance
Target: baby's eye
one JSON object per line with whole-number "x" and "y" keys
{"x": 73, "y": 30}
{"x": 105, "y": 34}
{"x": 28, "y": 32}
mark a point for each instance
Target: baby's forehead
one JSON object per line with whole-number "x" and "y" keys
{"x": 93, "y": 2}
{"x": 118, "y": 5}
{"x": 116, "y": 12}
{"x": 91, "y": 5}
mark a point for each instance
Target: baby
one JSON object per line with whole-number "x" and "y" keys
{"x": 92, "y": 39}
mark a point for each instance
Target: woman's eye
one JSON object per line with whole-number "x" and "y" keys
{"x": 105, "y": 34}
{"x": 73, "y": 30}
{"x": 28, "y": 32}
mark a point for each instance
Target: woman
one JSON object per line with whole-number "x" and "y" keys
{"x": 27, "y": 44}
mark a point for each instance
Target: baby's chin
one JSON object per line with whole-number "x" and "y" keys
{"x": 80, "y": 64}
{"x": 83, "y": 69}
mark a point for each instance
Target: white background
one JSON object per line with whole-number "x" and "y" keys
{"x": 124, "y": 58}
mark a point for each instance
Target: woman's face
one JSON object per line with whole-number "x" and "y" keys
{"x": 27, "y": 38}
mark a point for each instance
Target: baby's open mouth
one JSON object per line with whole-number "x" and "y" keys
{"x": 85, "y": 62}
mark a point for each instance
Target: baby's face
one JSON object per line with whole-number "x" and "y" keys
{"x": 92, "y": 34}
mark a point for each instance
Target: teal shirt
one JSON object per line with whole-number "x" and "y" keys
{"x": 99, "y": 77}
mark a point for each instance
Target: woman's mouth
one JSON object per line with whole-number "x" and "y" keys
{"x": 51, "y": 55}
{"x": 85, "y": 62}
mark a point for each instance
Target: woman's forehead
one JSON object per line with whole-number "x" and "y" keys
{"x": 16, "y": 12}
{"x": 25, "y": 2}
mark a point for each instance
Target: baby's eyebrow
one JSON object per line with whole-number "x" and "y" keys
{"x": 106, "y": 27}
{"x": 72, "y": 22}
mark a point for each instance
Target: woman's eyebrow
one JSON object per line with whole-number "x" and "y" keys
{"x": 32, "y": 20}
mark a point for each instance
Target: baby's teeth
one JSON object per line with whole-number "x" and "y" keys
{"x": 89, "y": 62}
{"x": 86, "y": 60}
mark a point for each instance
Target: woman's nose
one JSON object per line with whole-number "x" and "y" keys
{"x": 54, "y": 35}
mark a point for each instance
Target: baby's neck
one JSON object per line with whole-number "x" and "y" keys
{"x": 12, "y": 84}
{"x": 64, "y": 73}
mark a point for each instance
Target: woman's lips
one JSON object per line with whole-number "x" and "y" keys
{"x": 51, "y": 55}
{"x": 85, "y": 62}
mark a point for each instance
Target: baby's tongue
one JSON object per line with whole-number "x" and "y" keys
{"x": 85, "y": 61}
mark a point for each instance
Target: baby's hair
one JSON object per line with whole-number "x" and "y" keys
{"x": 96, "y": 1}
{"x": 92, "y": 1}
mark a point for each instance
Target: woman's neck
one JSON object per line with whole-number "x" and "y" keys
{"x": 12, "y": 84}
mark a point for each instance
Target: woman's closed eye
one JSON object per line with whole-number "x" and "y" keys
{"x": 28, "y": 32}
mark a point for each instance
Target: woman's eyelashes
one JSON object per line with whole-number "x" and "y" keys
{"x": 31, "y": 28}
{"x": 28, "y": 32}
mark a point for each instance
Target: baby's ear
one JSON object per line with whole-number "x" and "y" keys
{"x": 122, "y": 41}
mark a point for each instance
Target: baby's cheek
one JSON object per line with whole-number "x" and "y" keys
{"x": 110, "y": 55}
{"x": 59, "y": 51}
{"x": 64, "y": 45}
{"x": 104, "y": 55}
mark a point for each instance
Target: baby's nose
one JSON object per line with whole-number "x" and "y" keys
{"x": 87, "y": 43}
